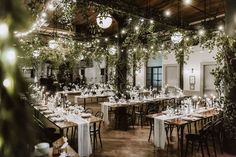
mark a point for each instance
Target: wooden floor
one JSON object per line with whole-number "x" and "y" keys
{"x": 134, "y": 143}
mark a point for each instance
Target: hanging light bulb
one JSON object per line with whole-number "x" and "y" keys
{"x": 112, "y": 50}
{"x": 104, "y": 20}
{"x": 176, "y": 37}
{"x": 52, "y": 44}
{"x": 36, "y": 53}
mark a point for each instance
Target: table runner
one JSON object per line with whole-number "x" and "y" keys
{"x": 104, "y": 109}
{"x": 84, "y": 143}
{"x": 159, "y": 138}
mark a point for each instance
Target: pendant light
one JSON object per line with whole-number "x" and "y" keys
{"x": 104, "y": 20}
{"x": 177, "y": 37}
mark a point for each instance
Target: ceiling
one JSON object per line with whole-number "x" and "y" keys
{"x": 189, "y": 16}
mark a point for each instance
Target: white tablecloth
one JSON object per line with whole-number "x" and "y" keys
{"x": 84, "y": 143}
{"x": 159, "y": 131}
{"x": 104, "y": 109}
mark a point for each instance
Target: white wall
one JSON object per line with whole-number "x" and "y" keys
{"x": 141, "y": 75}
{"x": 93, "y": 74}
{"x": 154, "y": 61}
{"x": 198, "y": 56}
{"x": 195, "y": 59}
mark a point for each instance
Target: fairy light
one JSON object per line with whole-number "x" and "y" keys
{"x": 136, "y": 28}
{"x": 106, "y": 39}
{"x": 41, "y": 18}
{"x": 167, "y": 13}
{"x": 151, "y": 21}
{"x": 123, "y": 31}
{"x": 4, "y": 31}
{"x": 9, "y": 56}
{"x": 7, "y": 83}
{"x": 220, "y": 27}
{"x": 187, "y": 2}
{"x": 201, "y": 32}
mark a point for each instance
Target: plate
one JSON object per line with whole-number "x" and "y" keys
{"x": 85, "y": 115}
{"x": 55, "y": 119}
{"x": 47, "y": 112}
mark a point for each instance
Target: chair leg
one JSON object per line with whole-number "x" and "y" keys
{"x": 150, "y": 132}
{"x": 186, "y": 149}
{"x": 214, "y": 145}
{"x": 192, "y": 148}
{"x": 201, "y": 149}
{"x": 100, "y": 139}
{"x": 208, "y": 152}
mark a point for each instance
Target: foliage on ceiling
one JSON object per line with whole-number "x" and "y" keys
{"x": 140, "y": 37}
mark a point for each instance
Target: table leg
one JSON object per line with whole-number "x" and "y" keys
{"x": 94, "y": 138}
{"x": 182, "y": 140}
{"x": 84, "y": 102}
{"x": 61, "y": 132}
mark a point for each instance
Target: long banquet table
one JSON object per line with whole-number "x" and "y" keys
{"x": 124, "y": 104}
{"x": 62, "y": 125}
{"x": 180, "y": 121}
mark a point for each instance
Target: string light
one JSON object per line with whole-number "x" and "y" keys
{"x": 136, "y": 28}
{"x": 41, "y": 18}
{"x": 123, "y": 31}
{"x": 36, "y": 53}
{"x": 106, "y": 39}
{"x": 167, "y": 13}
{"x": 4, "y": 31}
{"x": 220, "y": 27}
{"x": 9, "y": 56}
{"x": 201, "y": 32}
{"x": 7, "y": 82}
{"x": 187, "y": 2}
{"x": 151, "y": 21}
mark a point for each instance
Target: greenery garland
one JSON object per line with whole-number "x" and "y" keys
{"x": 15, "y": 126}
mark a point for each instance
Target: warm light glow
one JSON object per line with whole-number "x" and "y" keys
{"x": 187, "y": 2}
{"x": 187, "y": 38}
{"x": 136, "y": 28}
{"x": 201, "y": 32}
{"x": 220, "y": 27}
{"x": 52, "y": 44}
{"x": 106, "y": 39}
{"x": 104, "y": 20}
{"x": 36, "y": 53}
{"x": 10, "y": 55}
{"x": 7, "y": 83}
{"x": 151, "y": 21}
{"x": 112, "y": 50}
{"x": 4, "y": 32}
{"x": 167, "y": 13}
{"x": 51, "y": 7}
{"x": 123, "y": 31}
{"x": 176, "y": 37}
{"x": 44, "y": 15}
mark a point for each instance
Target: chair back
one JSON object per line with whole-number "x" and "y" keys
{"x": 206, "y": 129}
{"x": 88, "y": 110}
{"x": 99, "y": 114}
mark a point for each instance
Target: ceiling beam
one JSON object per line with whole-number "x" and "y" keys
{"x": 122, "y": 7}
